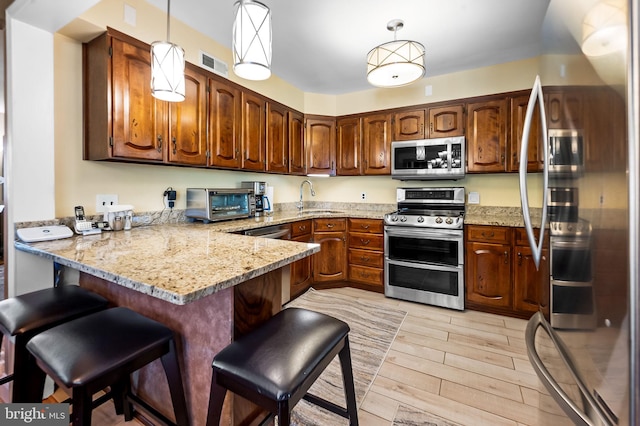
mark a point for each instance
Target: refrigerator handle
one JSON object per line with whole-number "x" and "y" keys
{"x": 596, "y": 417}
{"x": 536, "y": 98}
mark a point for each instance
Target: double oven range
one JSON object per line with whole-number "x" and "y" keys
{"x": 424, "y": 247}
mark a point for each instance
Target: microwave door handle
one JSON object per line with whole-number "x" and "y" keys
{"x": 535, "y": 97}
{"x": 567, "y": 405}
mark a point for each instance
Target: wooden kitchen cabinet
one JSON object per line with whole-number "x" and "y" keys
{"x": 429, "y": 123}
{"x": 366, "y": 252}
{"x": 297, "y": 162}
{"x": 320, "y": 142}
{"x": 330, "y": 264}
{"x": 487, "y": 135}
{"x": 376, "y": 144}
{"x": 500, "y": 274}
{"x": 225, "y": 130}
{"x": 348, "y": 146}
{"x": 564, "y": 108}
{"x": 301, "y": 270}
{"x": 277, "y": 138}
{"x": 535, "y": 153}
{"x": 253, "y": 132}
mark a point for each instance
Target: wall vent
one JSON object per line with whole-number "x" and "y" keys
{"x": 213, "y": 64}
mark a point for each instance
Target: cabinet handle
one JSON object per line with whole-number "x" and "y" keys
{"x": 431, "y": 127}
{"x": 506, "y": 257}
{"x": 302, "y": 227}
{"x": 490, "y": 235}
{"x": 364, "y": 242}
{"x": 159, "y": 149}
{"x": 519, "y": 258}
{"x": 175, "y": 147}
{"x": 364, "y": 226}
{"x": 365, "y": 259}
{"x": 329, "y": 225}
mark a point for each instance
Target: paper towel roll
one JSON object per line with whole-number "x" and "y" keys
{"x": 269, "y": 195}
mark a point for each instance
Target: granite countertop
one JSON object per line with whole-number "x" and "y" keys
{"x": 179, "y": 263}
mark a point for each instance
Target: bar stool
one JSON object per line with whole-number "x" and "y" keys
{"x": 101, "y": 350}
{"x": 275, "y": 365}
{"x": 26, "y": 315}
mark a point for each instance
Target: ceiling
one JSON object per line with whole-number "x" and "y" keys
{"x": 321, "y": 46}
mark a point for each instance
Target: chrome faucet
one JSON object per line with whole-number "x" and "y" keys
{"x": 300, "y": 205}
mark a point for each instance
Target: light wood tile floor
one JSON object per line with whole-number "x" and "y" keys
{"x": 466, "y": 368}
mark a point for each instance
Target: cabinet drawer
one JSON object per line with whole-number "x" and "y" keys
{"x": 373, "y": 259}
{"x": 329, "y": 225}
{"x": 366, "y": 241}
{"x": 363, "y": 274}
{"x": 498, "y": 234}
{"x": 520, "y": 237}
{"x": 302, "y": 227}
{"x": 374, "y": 226}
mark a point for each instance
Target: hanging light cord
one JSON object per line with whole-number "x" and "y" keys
{"x": 168, "y": 18}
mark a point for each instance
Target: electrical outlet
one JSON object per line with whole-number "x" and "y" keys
{"x": 103, "y": 200}
{"x": 474, "y": 197}
{"x": 363, "y": 195}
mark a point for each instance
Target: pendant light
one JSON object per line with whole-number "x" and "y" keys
{"x": 396, "y": 63}
{"x": 167, "y": 68}
{"x": 252, "y": 40}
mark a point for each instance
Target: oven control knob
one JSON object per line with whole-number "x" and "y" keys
{"x": 438, "y": 220}
{"x": 394, "y": 218}
{"x": 420, "y": 219}
{"x": 569, "y": 227}
{"x": 449, "y": 221}
{"x": 403, "y": 218}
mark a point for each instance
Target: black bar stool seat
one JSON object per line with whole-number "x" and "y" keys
{"x": 101, "y": 350}
{"x": 275, "y": 365}
{"x": 26, "y": 315}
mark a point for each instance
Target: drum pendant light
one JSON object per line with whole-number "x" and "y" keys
{"x": 167, "y": 68}
{"x": 396, "y": 63}
{"x": 252, "y": 40}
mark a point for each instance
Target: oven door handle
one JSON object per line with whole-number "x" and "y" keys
{"x": 430, "y": 266}
{"x": 431, "y": 233}
{"x": 536, "y": 97}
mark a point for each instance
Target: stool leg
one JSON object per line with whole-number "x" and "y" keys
{"x": 82, "y": 406}
{"x": 119, "y": 392}
{"x": 216, "y": 401}
{"x": 284, "y": 413}
{"x": 347, "y": 379}
{"x": 28, "y": 384}
{"x": 174, "y": 378}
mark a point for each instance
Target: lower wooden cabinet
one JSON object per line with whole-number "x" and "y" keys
{"x": 500, "y": 274}
{"x": 301, "y": 272}
{"x": 330, "y": 264}
{"x": 366, "y": 252}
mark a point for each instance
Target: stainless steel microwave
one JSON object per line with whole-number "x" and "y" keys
{"x": 211, "y": 205}
{"x": 566, "y": 153}
{"x": 428, "y": 159}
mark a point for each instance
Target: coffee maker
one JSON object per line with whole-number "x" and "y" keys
{"x": 260, "y": 191}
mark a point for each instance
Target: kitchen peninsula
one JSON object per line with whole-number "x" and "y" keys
{"x": 208, "y": 286}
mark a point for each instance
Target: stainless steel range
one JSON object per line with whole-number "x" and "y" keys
{"x": 424, "y": 247}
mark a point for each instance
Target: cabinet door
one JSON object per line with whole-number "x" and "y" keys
{"x": 225, "y": 121}
{"x": 253, "y": 133}
{"x": 376, "y": 147}
{"x": 531, "y": 286}
{"x": 446, "y": 121}
{"x": 296, "y": 144}
{"x": 320, "y": 138}
{"x": 301, "y": 272}
{"x": 331, "y": 263}
{"x": 488, "y": 274}
{"x": 409, "y": 125}
{"x": 188, "y": 143}
{"x": 139, "y": 120}
{"x": 486, "y": 136}
{"x": 277, "y": 144}
{"x": 535, "y": 152}
{"x": 564, "y": 109}
{"x": 348, "y": 147}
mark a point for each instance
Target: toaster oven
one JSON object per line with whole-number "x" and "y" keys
{"x": 212, "y": 205}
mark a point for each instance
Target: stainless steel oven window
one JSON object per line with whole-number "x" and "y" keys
{"x": 437, "y": 247}
{"x": 571, "y": 259}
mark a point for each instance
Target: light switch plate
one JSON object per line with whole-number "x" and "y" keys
{"x": 474, "y": 198}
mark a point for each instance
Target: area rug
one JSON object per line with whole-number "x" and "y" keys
{"x": 373, "y": 329}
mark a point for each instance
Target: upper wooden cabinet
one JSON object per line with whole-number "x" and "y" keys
{"x": 564, "y": 108}
{"x": 320, "y": 136}
{"x": 535, "y": 153}
{"x": 296, "y": 143}
{"x": 253, "y": 132}
{"x": 428, "y": 123}
{"x": 187, "y": 135}
{"x": 487, "y": 135}
{"x": 376, "y": 144}
{"x": 225, "y": 118}
{"x": 348, "y": 148}
{"x": 277, "y": 142}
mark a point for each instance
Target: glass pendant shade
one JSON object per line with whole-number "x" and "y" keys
{"x": 167, "y": 71}
{"x": 252, "y": 40}
{"x": 394, "y": 64}
{"x": 604, "y": 29}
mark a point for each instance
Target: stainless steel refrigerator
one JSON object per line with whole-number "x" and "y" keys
{"x": 582, "y": 119}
